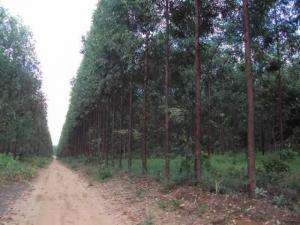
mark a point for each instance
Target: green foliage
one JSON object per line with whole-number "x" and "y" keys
{"x": 260, "y": 193}
{"x": 114, "y": 53}
{"x": 103, "y": 174}
{"x": 23, "y": 116}
{"x": 275, "y": 168}
{"x": 287, "y": 154}
{"x": 20, "y": 169}
{"x": 279, "y": 200}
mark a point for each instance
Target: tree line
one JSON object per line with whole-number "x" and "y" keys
{"x": 182, "y": 77}
{"x": 23, "y": 109}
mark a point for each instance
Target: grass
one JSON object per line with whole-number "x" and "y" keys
{"x": 169, "y": 205}
{"x": 20, "y": 169}
{"x": 148, "y": 220}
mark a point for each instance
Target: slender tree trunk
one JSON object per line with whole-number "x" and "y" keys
{"x": 279, "y": 103}
{"x": 120, "y": 133}
{"x": 262, "y": 135}
{"x": 251, "y": 154}
{"x": 198, "y": 92}
{"x": 98, "y": 134}
{"x": 113, "y": 132}
{"x": 130, "y": 129}
{"x": 209, "y": 150}
{"x": 107, "y": 130}
{"x": 167, "y": 94}
{"x": 105, "y": 135}
{"x": 145, "y": 130}
{"x": 279, "y": 88}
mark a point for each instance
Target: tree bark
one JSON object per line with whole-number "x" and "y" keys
{"x": 209, "y": 149}
{"x": 250, "y": 102}
{"x": 145, "y": 129}
{"x": 197, "y": 74}
{"x": 279, "y": 85}
{"x": 113, "y": 152}
{"x": 120, "y": 133}
{"x": 130, "y": 129}
{"x": 167, "y": 94}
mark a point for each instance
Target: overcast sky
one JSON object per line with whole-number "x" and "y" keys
{"x": 57, "y": 26}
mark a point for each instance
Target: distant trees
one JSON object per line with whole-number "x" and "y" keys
{"x": 23, "y": 123}
{"x": 147, "y": 66}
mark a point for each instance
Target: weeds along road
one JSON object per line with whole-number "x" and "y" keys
{"x": 61, "y": 197}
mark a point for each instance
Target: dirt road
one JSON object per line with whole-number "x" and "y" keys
{"x": 61, "y": 197}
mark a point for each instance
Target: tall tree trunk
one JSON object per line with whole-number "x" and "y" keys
{"x": 130, "y": 129}
{"x": 209, "y": 149}
{"x": 197, "y": 74}
{"x": 105, "y": 134}
{"x": 279, "y": 84}
{"x": 120, "y": 133}
{"x": 251, "y": 154}
{"x": 113, "y": 132}
{"x": 167, "y": 94}
{"x": 145, "y": 129}
{"x": 279, "y": 105}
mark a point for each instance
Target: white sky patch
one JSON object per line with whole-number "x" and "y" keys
{"x": 57, "y": 27}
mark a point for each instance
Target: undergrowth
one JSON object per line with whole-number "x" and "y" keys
{"x": 277, "y": 174}
{"x": 20, "y": 169}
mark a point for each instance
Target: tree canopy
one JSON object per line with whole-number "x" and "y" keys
{"x": 23, "y": 109}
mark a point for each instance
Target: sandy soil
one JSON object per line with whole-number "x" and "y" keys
{"x": 61, "y": 197}
{"x": 9, "y": 193}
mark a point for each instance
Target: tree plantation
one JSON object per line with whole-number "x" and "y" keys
{"x": 23, "y": 123}
{"x": 187, "y": 81}
{"x": 180, "y": 112}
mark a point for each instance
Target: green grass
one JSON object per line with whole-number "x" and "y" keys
{"x": 20, "y": 169}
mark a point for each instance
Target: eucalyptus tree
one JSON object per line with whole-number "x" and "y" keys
{"x": 23, "y": 122}
{"x": 138, "y": 89}
{"x": 250, "y": 137}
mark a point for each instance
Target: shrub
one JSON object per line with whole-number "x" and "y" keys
{"x": 19, "y": 169}
{"x": 104, "y": 174}
{"x": 260, "y": 193}
{"x": 287, "y": 154}
{"x": 275, "y": 169}
{"x": 279, "y": 200}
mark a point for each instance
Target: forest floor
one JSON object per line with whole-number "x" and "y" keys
{"x": 9, "y": 193}
{"x": 60, "y": 196}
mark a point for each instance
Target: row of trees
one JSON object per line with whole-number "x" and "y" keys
{"x": 23, "y": 122}
{"x": 167, "y": 77}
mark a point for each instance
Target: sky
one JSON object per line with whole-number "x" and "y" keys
{"x": 57, "y": 27}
